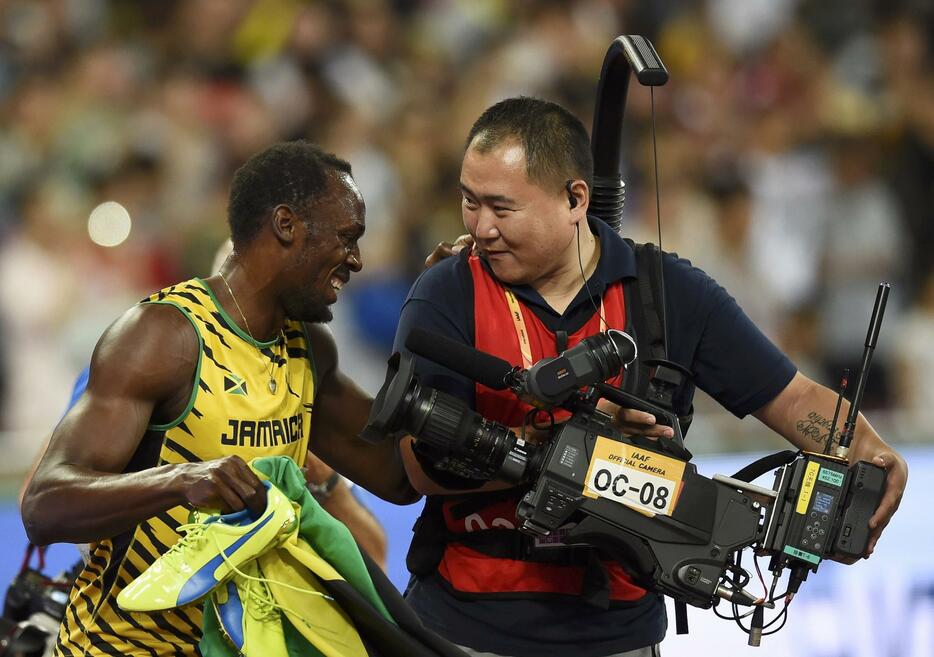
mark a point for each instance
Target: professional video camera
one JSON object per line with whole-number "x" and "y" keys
{"x": 640, "y": 501}
{"x": 33, "y": 608}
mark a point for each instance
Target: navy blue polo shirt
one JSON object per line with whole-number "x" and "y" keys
{"x": 732, "y": 361}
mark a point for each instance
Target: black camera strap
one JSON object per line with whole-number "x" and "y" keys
{"x": 643, "y": 316}
{"x": 561, "y": 341}
{"x": 648, "y": 291}
{"x": 649, "y": 333}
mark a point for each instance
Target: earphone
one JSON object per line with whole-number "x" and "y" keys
{"x": 572, "y": 200}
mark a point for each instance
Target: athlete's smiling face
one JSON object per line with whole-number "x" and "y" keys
{"x": 330, "y": 253}
{"x": 524, "y": 229}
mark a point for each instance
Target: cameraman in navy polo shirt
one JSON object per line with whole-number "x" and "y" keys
{"x": 530, "y": 288}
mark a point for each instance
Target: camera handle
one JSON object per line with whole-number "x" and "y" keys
{"x": 673, "y": 446}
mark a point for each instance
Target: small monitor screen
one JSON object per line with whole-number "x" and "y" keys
{"x": 822, "y": 502}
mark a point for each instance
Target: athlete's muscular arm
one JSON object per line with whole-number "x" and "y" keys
{"x": 341, "y": 503}
{"x": 799, "y": 413}
{"x": 340, "y": 413}
{"x": 142, "y": 371}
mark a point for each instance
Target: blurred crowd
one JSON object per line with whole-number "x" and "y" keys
{"x": 794, "y": 142}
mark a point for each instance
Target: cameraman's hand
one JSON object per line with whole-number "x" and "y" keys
{"x": 227, "y": 484}
{"x": 896, "y": 478}
{"x": 446, "y": 250}
{"x": 631, "y": 422}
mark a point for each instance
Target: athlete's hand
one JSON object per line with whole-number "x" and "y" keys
{"x": 631, "y": 422}
{"x": 316, "y": 471}
{"x": 446, "y": 250}
{"x": 227, "y": 484}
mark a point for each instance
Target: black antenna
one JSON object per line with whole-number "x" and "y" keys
{"x": 627, "y": 54}
{"x": 872, "y": 336}
{"x": 844, "y": 382}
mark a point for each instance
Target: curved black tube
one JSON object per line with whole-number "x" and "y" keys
{"x": 627, "y": 53}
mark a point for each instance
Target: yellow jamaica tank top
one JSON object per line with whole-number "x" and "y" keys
{"x": 231, "y": 411}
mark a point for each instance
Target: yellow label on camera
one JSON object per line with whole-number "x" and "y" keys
{"x": 807, "y": 487}
{"x": 645, "y": 481}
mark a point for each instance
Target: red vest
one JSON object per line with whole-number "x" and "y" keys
{"x": 473, "y": 572}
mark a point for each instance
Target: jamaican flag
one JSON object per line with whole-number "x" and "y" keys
{"x": 359, "y": 613}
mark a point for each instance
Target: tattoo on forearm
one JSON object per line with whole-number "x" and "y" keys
{"x": 816, "y": 427}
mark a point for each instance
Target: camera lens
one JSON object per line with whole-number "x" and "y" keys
{"x": 470, "y": 445}
{"x": 450, "y": 426}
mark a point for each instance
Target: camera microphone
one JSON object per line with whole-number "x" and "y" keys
{"x": 474, "y": 364}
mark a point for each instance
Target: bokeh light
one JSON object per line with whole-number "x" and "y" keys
{"x": 109, "y": 224}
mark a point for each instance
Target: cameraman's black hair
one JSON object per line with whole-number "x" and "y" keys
{"x": 294, "y": 173}
{"x": 556, "y": 144}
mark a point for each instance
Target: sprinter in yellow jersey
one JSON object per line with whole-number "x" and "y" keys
{"x": 196, "y": 380}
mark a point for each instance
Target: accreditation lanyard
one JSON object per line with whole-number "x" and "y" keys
{"x": 515, "y": 311}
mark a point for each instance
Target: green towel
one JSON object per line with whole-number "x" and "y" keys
{"x": 328, "y": 536}
{"x": 386, "y": 624}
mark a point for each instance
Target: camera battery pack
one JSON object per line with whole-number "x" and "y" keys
{"x": 865, "y": 485}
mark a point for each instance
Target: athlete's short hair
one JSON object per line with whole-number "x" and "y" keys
{"x": 294, "y": 173}
{"x": 556, "y": 144}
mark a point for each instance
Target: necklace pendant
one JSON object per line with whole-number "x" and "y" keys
{"x": 272, "y": 386}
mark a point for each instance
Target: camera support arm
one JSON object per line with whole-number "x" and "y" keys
{"x": 627, "y": 54}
